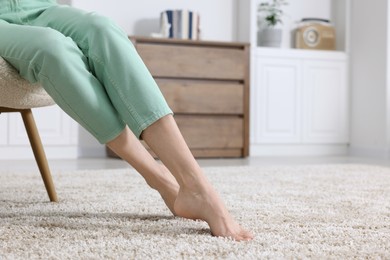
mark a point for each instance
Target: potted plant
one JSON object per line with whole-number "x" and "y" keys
{"x": 271, "y": 13}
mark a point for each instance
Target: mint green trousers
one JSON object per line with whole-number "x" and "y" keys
{"x": 85, "y": 62}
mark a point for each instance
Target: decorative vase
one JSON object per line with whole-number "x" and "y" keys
{"x": 270, "y": 37}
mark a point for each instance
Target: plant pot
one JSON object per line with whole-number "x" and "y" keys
{"x": 270, "y": 37}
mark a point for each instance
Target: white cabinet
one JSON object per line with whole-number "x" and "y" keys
{"x": 277, "y": 100}
{"x": 325, "y": 102}
{"x": 59, "y": 134}
{"x": 299, "y": 98}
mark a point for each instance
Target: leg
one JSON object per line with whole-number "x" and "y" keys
{"x": 39, "y": 153}
{"x": 196, "y": 199}
{"x": 129, "y": 148}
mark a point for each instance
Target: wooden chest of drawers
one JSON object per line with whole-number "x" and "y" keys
{"x": 206, "y": 85}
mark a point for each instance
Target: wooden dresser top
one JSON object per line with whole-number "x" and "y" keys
{"x": 151, "y": 40}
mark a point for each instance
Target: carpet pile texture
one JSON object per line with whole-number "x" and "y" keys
{"x": 310, "y": 211}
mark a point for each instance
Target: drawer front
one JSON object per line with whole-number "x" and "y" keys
{"x": 194, "y": 61}
{"x": 203, "y": 97}
{"x": 211, "y": 131}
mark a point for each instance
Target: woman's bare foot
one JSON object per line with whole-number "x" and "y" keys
{"x": 206, "y": 205}
{"x": 167, "y": 186}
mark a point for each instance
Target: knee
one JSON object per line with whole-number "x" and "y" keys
{"x": 51, "y": 50}
{"x": 52, "y": 44}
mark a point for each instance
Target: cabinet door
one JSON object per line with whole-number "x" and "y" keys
{"x": 54, "y": 126}
{"x": 277, "y": 97}
{"x": 58, "y": 132}
{"x": 325, "y": 102}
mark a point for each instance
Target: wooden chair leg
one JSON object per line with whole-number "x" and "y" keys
{"x": 39, "y": 153}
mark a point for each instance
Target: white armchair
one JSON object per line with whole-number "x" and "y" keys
{"x": 18, "y": 95}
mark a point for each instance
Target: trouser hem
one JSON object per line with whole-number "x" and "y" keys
{"x": 112, "y": 135}
{"x": 149, "y": 121}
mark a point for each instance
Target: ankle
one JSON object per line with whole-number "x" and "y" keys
{"x": 196, "y": 188}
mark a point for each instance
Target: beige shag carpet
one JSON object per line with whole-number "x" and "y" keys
{"x": 317, "y": 212}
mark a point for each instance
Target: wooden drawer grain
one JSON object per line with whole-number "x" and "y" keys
{"x": 193, "y": 61}
{"x": 214, "y": 132}
{"x": 203, "y": 97}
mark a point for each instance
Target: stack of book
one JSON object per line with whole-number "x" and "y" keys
{"x": 181, "y": 24}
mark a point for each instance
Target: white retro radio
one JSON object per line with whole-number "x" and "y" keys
{"x": 313, "y": 33}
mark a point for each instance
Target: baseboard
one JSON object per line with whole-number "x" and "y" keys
{"x": 73, "y": 152}
{"x": 92, "y": 152}
{"x": 369, "y": 152}
{"x": 52, "y": 152}
{"x": 298, "y": 150}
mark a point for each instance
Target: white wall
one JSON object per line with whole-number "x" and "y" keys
{"x": 369, "y": 46}
{"x": 141, "y": 17}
